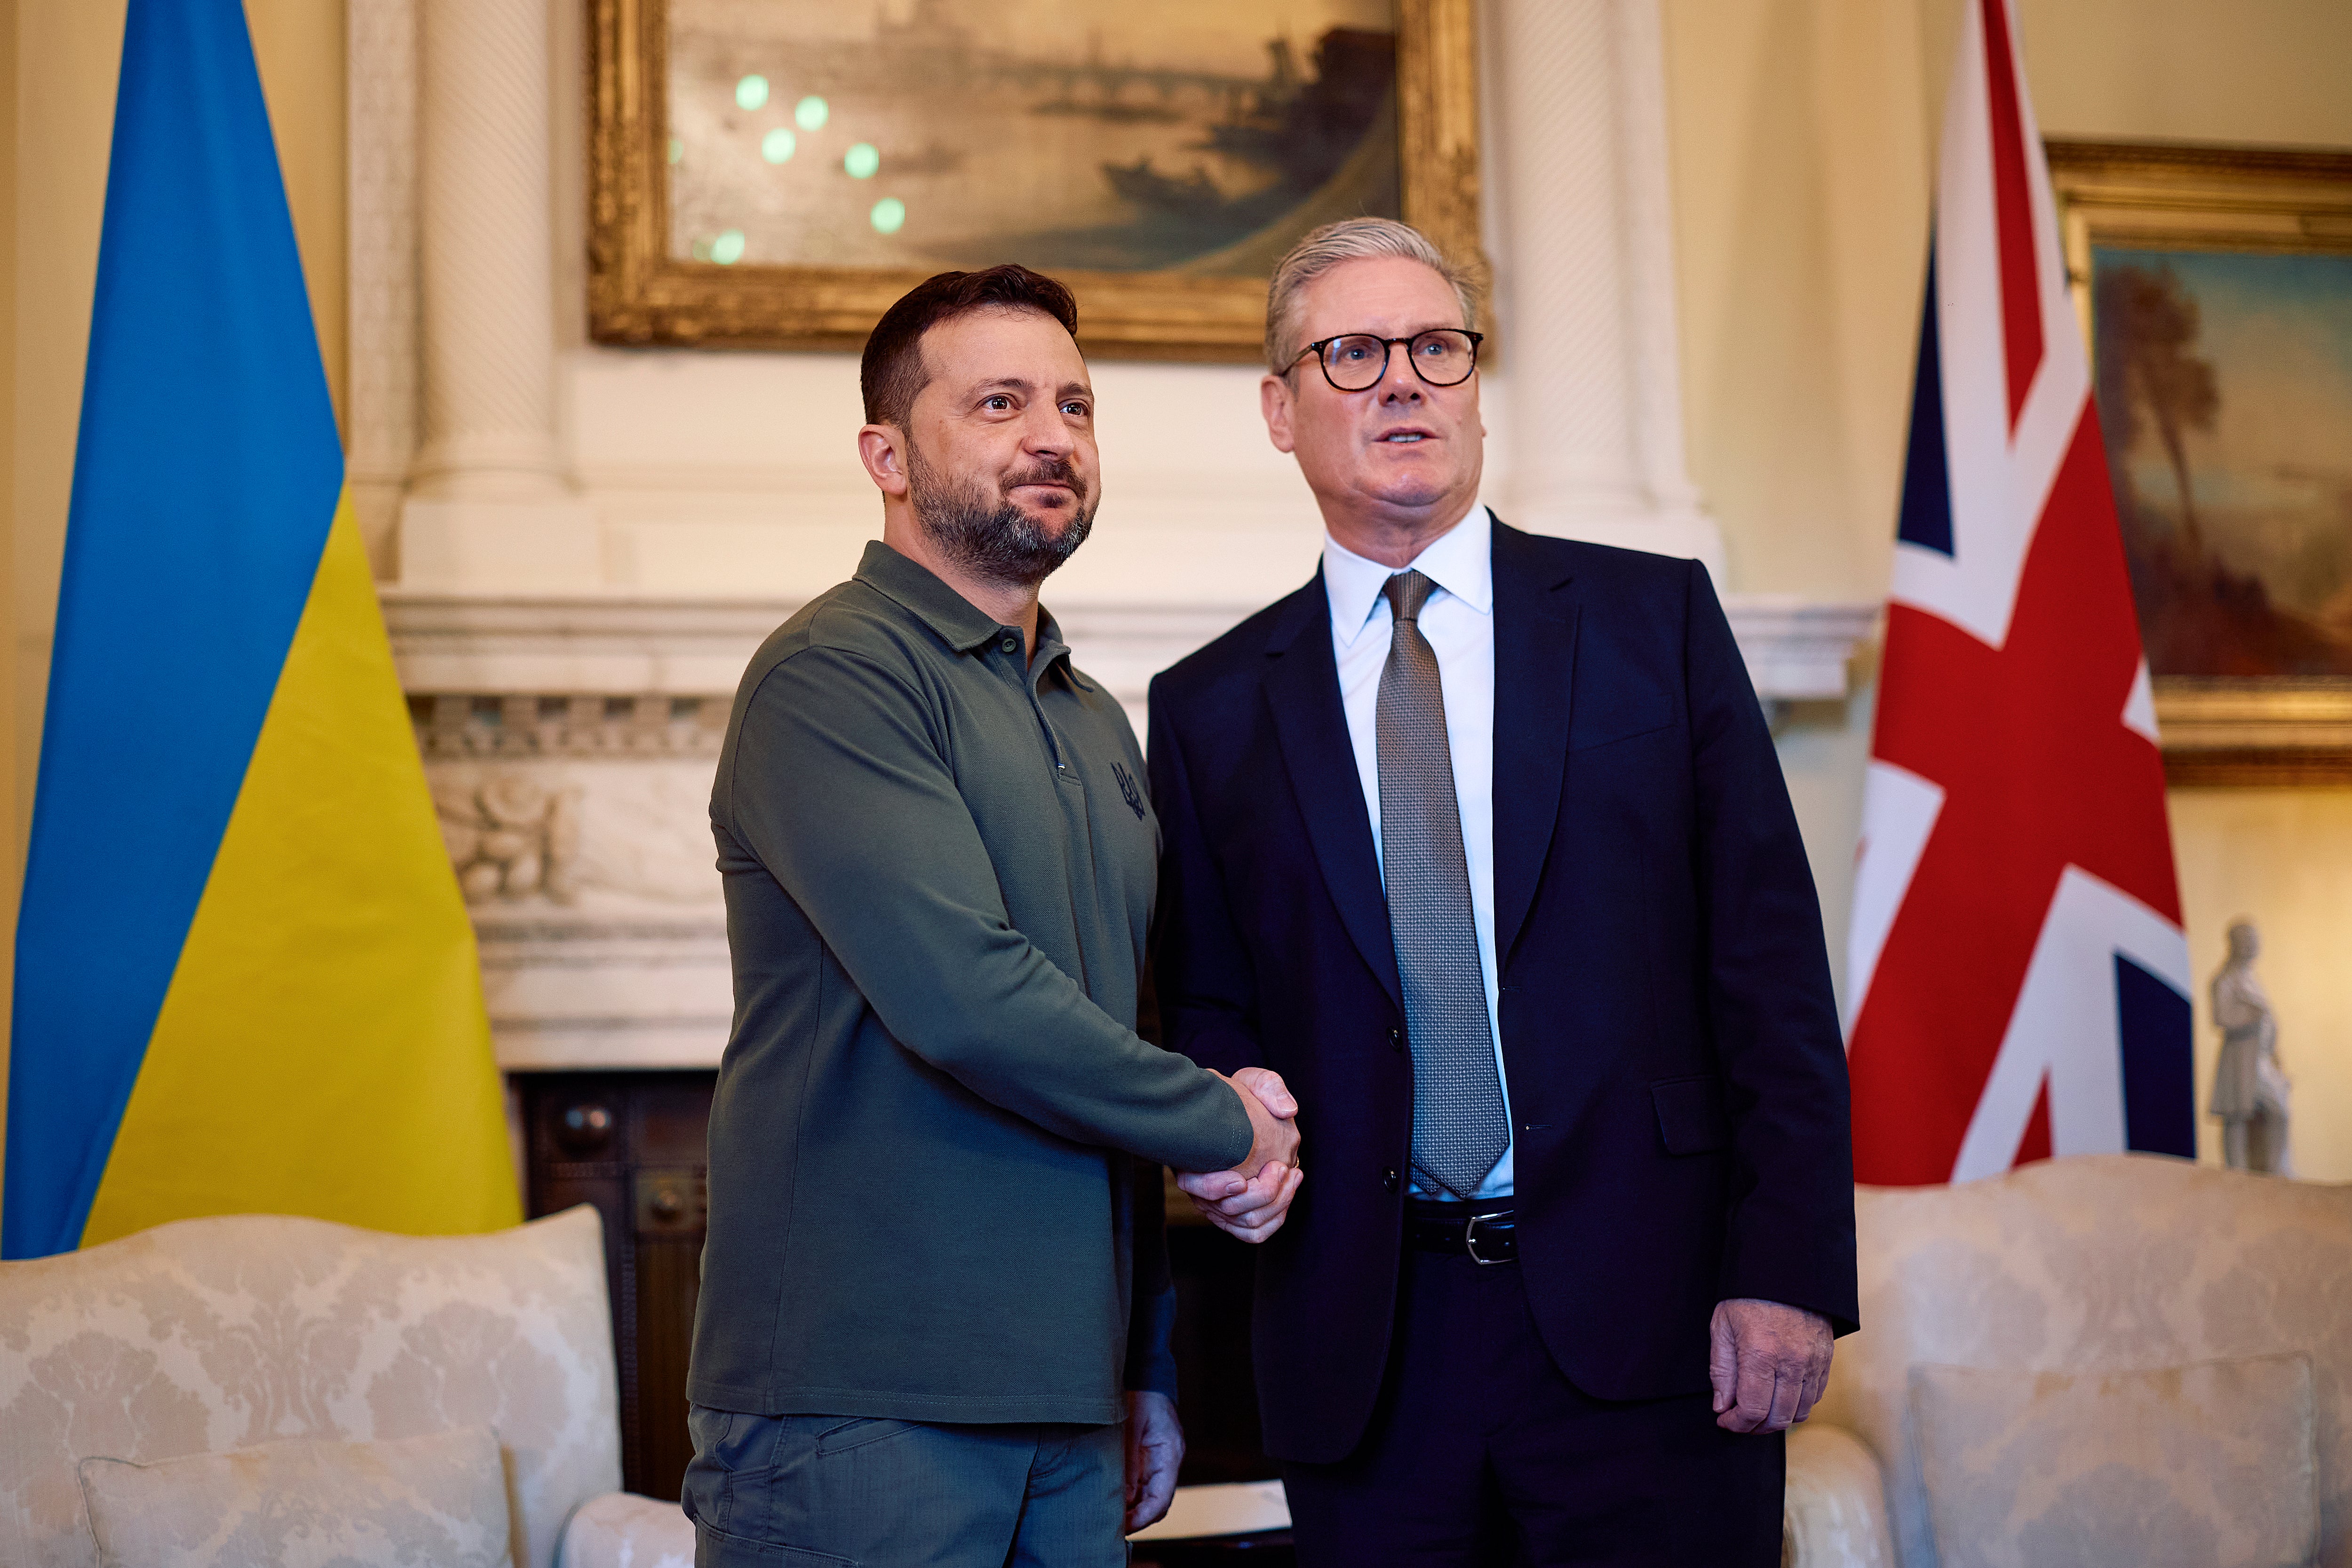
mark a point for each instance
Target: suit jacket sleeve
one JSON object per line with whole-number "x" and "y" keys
{"x": 1771, "y": 1010}
{"x": 1207, "y": 987}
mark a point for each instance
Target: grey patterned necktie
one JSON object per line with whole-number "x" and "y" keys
{"x": 1459, "y": 1127}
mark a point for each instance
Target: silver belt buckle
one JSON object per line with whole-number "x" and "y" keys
{"x": 1470, "y": 1239}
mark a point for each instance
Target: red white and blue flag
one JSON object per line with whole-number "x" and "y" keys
{"x": 2018, "y": 982}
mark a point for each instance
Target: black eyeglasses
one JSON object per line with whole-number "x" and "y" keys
{"x": 1354, "y": 361}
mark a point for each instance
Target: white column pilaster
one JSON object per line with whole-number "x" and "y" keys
{"x": 381, "y": 69}
{"x": 488, "y": 504}
{"x": 1586, "y": 282}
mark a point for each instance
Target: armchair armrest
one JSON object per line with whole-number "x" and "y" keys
{"x": 622, "y": 1529}
{"x": 1836, "y": 1508}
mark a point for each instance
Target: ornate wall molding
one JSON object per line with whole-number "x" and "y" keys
{"x": 596, "y": 904}
{"x": 510, "y": 725}
{"x": 566, "y": 644}
{"x": 1798, "y": 650}
{"x": 503, "y": 654}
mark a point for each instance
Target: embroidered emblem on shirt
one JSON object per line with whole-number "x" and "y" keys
{"x": 1128, "y": 791}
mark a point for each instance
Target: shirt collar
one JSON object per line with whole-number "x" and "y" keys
{"x": 1461, "y": 561}
{"x": 961, "y": 625}
{"x": 958, "y": 622}
{"x": 1053, "y": 649}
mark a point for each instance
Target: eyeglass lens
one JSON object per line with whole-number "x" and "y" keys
{"x": 1443, "y": 358}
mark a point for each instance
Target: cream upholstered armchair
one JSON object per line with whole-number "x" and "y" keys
{"x": 251, "y": 1332}
{"x": 2117, "y": 1358}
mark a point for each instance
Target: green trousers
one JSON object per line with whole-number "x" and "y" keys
{"x": 833, "y": 1492}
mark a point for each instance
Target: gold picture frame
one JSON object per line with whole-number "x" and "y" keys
{"x": 2193, "y": 201}
{"x": 639, "y": 293}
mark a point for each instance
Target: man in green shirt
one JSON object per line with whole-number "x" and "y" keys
{"x": 935, "y": 1306}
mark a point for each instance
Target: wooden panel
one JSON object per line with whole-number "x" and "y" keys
{"x": 634, "y": 1143}
{"x": 669, "y": 1282}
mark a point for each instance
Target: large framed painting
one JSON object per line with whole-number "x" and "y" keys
{"x": 772, "y": 173}
{"x": 2216, "y": 287}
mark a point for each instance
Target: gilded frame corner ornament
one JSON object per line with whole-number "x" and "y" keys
{"x": 638, "y": 294}
{"x": 2274, "y": 733}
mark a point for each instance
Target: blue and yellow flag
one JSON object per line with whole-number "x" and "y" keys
{"x": 245, "y": 979}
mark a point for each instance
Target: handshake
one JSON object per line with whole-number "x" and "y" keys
{"x": 1250, "y": 1200}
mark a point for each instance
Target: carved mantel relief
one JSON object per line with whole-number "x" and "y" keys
{"x": 584, "y": 853}
{"x": 611, "y": 839}
{"x": 513, "y": 837}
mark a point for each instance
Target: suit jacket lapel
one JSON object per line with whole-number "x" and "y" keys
{"x": 1302, "y": 687}
{"x": 1534, "y": 665}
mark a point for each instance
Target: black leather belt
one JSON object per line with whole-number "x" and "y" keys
{"x": 1483, "y": 1232}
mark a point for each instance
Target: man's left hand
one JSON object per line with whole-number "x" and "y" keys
{"x": 1769, "y": 1363}
{"x": 1155, "y": 1447}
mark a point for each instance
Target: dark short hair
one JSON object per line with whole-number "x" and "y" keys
{"x": 892, "y": 372}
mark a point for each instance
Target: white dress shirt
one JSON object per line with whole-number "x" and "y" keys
{"x": 1459, "y": 621}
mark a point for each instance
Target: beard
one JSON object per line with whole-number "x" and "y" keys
{"x": 989, "y": 535}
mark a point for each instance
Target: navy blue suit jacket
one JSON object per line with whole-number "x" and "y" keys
{"x": 1677, "y": 1083}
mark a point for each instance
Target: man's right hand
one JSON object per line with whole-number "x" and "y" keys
{"x": 1250, "y": 1201}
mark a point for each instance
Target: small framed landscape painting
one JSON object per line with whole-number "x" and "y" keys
{"x": 773, "y": 173}
{"x": 2216, "y": 284}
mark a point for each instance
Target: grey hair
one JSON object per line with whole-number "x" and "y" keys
{"x": 1350, "y": 239}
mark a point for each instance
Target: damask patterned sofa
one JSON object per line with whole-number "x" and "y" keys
{"x": 209, "y": 1336}
{"x": 2088, "y": 1279}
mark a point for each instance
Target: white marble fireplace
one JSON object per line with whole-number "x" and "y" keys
{"x": 580, "y": 546}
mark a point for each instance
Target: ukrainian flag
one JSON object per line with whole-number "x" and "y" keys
{"x": 245, "y": 979}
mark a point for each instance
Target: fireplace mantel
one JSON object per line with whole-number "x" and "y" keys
{"x": 570, "y": 740}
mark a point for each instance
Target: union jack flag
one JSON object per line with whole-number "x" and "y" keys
{"x": 2018, "y": 977}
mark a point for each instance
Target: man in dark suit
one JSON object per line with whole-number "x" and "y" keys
{"x": 1480, "y": 840}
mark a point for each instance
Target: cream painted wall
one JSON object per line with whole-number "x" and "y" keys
{"x": 2200, "y": 70}
{"x": 7, "y": 496}
{"x": 1803, "y": 142}
{"x": 1800, "y": 160}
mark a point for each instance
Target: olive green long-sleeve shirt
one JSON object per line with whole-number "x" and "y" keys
{"x": 939, "y": 865}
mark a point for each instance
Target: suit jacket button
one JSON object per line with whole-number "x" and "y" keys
{"x": 1396, "y": 1039}
{"x": 1388, "y": 1181}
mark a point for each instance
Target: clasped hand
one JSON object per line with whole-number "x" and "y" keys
{"x": 1251, "y": 1200}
